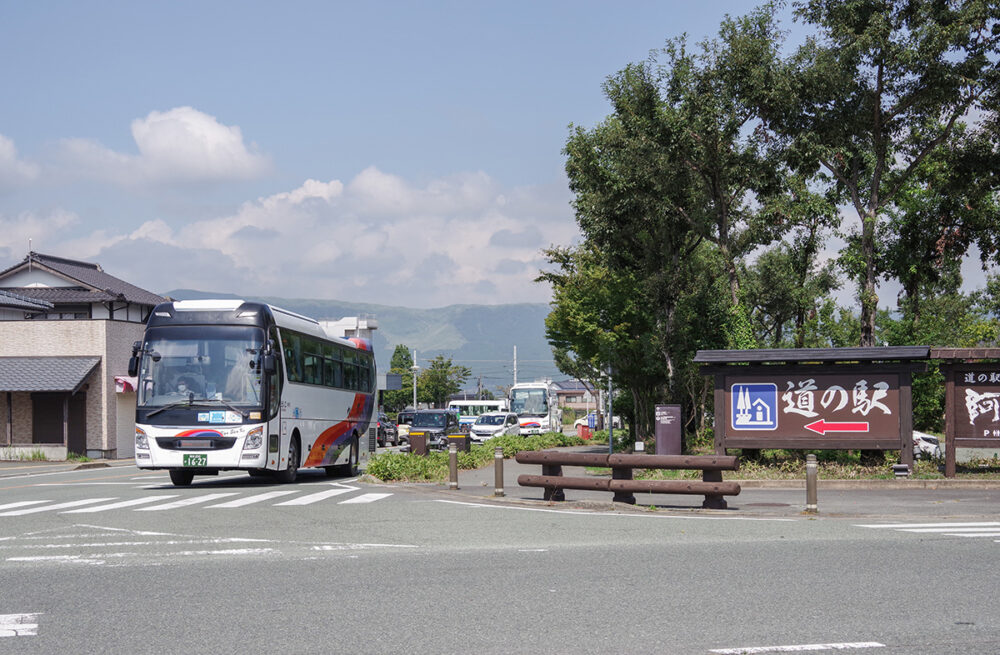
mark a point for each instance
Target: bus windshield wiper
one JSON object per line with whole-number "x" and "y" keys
{"x": 179, "y": 403}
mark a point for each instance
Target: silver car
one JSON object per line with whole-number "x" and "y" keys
{"x": 494, "y": 424}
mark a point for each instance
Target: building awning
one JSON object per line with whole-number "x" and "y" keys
{"x": 126, "y": 383}
{"x": 46, "y": 373}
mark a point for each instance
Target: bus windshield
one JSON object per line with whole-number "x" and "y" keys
{"x": 219, "y": 363}
{"x": 529, "y": 402}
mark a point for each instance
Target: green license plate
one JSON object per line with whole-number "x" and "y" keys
{"x": 196, "y": 460}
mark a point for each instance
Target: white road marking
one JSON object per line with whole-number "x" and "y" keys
{"x": 81, "y": 484}
{"x": 249, "y": 500}
{"x": 19, "y": 625}
{"x": 124, "y": 503}
{"x": 578, "y": 512}
{"x": 969, "y": 530}
{"x": 908, "y": 526}
{"x": 364, "y": 498}
{"x": 800, "y": 648}
{"x": 316, "y": 497}
{"x": 186, "y": 502}
{"x": 22, "y": 503}
{"x": 72, "y": 503}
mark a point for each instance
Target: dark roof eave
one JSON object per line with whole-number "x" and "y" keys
{"x": 798, "y": 355}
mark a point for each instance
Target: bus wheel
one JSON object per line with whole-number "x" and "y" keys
{"x": 350, "y": 469}
{"x": 291, "y": 472}
{"x": 181, "y": 478}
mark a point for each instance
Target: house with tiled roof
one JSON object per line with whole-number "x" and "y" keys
{"x": 66, "y": 332}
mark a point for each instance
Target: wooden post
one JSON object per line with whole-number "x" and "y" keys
{"x": 949, "y": 419}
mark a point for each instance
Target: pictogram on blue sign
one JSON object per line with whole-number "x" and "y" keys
{"x": 755, "y": 406}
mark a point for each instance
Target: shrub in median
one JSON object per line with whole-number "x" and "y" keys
{"x": 433, "y": 467}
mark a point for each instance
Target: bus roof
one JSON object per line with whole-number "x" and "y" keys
{"x": 235, "y": 311}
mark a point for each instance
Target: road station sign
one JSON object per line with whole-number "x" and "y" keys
{"x": 822, "y": 399}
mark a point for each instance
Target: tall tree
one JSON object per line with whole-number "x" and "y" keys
{"x": 877, "y": 92}
{"x": 440, "y": 380}
{"x": 600, "y": 316}
{"x": 401, "y": 364}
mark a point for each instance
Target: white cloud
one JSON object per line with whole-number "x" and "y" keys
{"x": 377, "y": 238}
{"x": 43, "y": 229}
{"x": 14, "y": 172}
{"x": 182, "y": 145}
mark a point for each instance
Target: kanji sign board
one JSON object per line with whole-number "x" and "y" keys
{"x": 832, "y": 407}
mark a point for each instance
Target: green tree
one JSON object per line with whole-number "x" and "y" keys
{"x": 440, "y": 380}
{"x": 600, "y": 321}
{"x": 401, "y": 364}
{"x": 878, "y": 91}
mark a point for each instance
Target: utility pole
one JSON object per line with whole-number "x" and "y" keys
{"x": 414, "y": 368}
{"x": 515, "y": 364}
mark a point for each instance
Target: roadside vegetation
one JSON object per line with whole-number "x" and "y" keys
{"x": 764, "y": 465}
{"x": 404, "y": 467}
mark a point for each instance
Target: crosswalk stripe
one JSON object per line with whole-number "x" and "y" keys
{"x": 124, "y": 503}
{"x": 46, "y": 508}
{"x": 186, "y": 502}
{"x": 19, "y": 625}
{"x": 22, "y": 504}
{"x": 948, "y": 528}
{"x": 907, "y": 526}
{"x": 316, "y": 497}
{"x": 364, "y": 498}
{"x": 240, "y": 502}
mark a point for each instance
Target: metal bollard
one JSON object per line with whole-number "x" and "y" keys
{"x": 811, "y": 471}
{"x": 453, "y": 465}
{"x": 498, "y": 471}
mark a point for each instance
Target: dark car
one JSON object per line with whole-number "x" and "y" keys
{"x": 436, "y": 425}
{"x": 386, "y": 433}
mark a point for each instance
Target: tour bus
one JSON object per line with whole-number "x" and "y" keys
{"x": 229, "y": 384}
{"x": 469, "y": 410}
{"x": 536, "y": 407}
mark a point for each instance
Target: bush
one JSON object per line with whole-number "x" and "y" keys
{"x": 433, "y": 467}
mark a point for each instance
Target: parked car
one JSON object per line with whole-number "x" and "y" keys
{"x": 403, "y": 421}
{"x": 386, "y": 432}
{"x": 616, "y": 420}
{"x": 925, "y": 445}
{"x": 494, "y": 424}
{"x": 436, "y": 425}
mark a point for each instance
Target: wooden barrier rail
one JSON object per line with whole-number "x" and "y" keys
{"x": 621, "y": 482}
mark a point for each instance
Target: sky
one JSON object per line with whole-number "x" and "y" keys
{"x": 396, "y": 153}
{"x": 393, "y": 153}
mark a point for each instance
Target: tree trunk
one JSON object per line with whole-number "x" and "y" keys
{"x": 868, "y": 296}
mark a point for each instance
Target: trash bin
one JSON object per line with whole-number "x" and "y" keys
{"x": 583, "y": 432}
{"x": 418, "y": 444}
{"x": 462, "y": 440}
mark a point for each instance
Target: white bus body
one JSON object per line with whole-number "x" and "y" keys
{"x": 469, "y": 410}
{"x": 536, "y": 407}
{"x": 228, "y": 384}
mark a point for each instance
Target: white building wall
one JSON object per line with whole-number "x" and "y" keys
{"x": 37, "y": 278}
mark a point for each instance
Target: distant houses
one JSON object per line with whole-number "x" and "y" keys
{"x": 66, "y": 331}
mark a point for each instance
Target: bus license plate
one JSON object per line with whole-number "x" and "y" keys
{"x": 196, "y": 460}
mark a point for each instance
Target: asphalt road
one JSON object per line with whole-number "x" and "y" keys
{"x": 102, "y": 560}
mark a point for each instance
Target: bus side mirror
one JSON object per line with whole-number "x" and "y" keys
{"x": 133, "y": 361}
{"x": 269, "y": 364}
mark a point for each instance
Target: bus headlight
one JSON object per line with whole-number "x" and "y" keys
{"x": 141, "y": 440}
{"x": 255, "y": 438}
